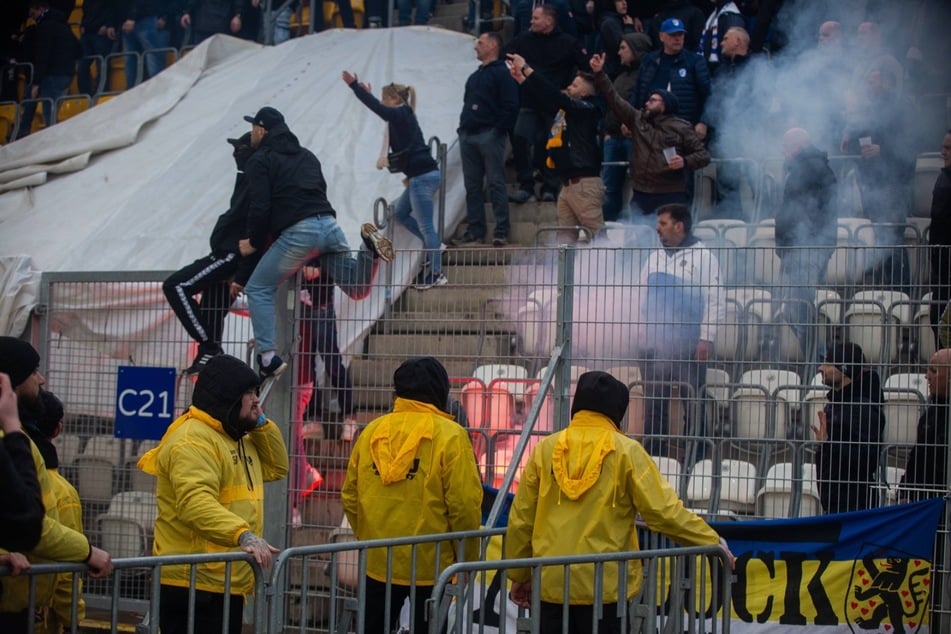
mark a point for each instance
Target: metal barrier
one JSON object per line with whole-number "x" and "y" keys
{"x": 687, "y": 588}
{"x": 150, "y": 566}
{"x": 337, "y": 572}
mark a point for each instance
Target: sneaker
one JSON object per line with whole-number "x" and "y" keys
{"x": 522, "y": 196}
{"x": 349, "y": 429}
{"x": 274, "y": 369}
{"x": 312, "y": 479}
{"x": 201, "y": 361}
{"x": 467, "y": 240}
{"x": 548, "y": 196}
{"x": 430, "y": 281}
{"x": 500, "y": 241}
{"x": 377, "y": 242}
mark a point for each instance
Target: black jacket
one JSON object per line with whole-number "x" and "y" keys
{"x": 135, "y": 9}
{"x": 807, "y": 215}
{"x": 285, "y": 186}
{"x": 927, "y": 466}
{"x": 580, "y": 153}
{"x": 846, "y": 463}
{"x": 406, "y": 137}
{"x": 99, "y": 13}
{"x": 556, "y": 55}
{"x": 612, "y": 28}
{"x": 22, "y": 512}
{"x": 56, "y": 49}
{"x": 939, "y": 232}
{"x": 232, "y": 225}
{"x": 212, "y": 16}
{"x": 491, "y": 99}
{"x": 689, "y": 81}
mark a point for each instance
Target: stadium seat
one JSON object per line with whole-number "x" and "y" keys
{"x": 67, "y": 448}
{"x": 814, "y": 399}
{"x": 742, "y": 332}
{"x": 886, "y": 489}
{"x": 536, "y": 337}
{"x": 125, "y": 529}
{"x": 138, "y": 479}
{"x": 905, "y": 396}
{"x": 828, "y": 313}
{"x": 9, "y": 120}
{"x": 717, "y": 391}
{"x": 500, "y": 374}
{"x": 872, "y": 321}
{"x": 762, "y": 404}
{"x": 671, "y": 470}
{"x": 630, "y": 375}
{"x": 763, "y": 265}
{"x": 847, "y": 263}
{"x": 103, "y": 97}
{"x": 96, "y": 464}
{"x": 774, "y": 499}
{"x": 732, "y": 489}
{"x": 71, "y": 105}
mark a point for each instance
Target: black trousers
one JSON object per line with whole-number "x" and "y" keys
{"x": 204, "y": 320}
{"x": 579, "y": 619}
{"x": 378, "y": 622}
{"x": 209, "y": 612}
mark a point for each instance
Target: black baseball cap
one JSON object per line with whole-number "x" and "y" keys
{"x": 267, "y": 117}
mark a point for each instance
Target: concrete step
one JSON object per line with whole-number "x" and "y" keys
{"x": 446, "y": 323}
{"x": 377, "y": 372}
{"x": 438, "y": 345}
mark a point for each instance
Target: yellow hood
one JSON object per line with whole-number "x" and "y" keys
{"x": 578, "y": 454}
{"x": 395, "y": 441}
{"x": 149, "y": 460}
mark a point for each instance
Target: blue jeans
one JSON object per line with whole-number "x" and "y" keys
{"x": 50, "y": 87}
{"x": 424, "y": 9}
{"x": 615, "y": 149}
{"x": 144, "y": 36}
{"x": 483, "y": 158}
{"x": 418, "y": 196}
{"x": 298, "y": 244}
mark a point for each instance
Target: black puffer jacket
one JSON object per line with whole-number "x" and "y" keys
{"x": 846, "y": 463}
{"x": 285, "y": 185}
{"x": 689, "y": 81}
{"x": 807, "y": 216}
{"x": 579, "y": 154}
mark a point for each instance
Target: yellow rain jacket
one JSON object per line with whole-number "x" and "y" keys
{"x": 580, "y": 493}
{"x": 71, "y": 514}
{"x": 413, "y": 472}
{"x": 210, "y": 489}
{"x": 58, "y": 542}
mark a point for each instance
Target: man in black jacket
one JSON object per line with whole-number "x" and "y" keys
{"x": 805, "y": 228}
{"x": 98, "y": 38}
{"x": 207, "y": 17}
{"x": 54, "y": 54}
{"x": 926, "y": 472}
{"x": 218, "y": 276}
{"x": 939, "y": 238}
{"x": 557, "y": 56}
{"x": 144, "y": 27}
{"x": 288, "y": 204}
{"x": 22, "y": 512}
{"x": 848, "y": 430}
{"x": 573, "y": 150}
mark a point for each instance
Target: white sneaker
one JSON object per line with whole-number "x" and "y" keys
{"x": 349, "y": 429}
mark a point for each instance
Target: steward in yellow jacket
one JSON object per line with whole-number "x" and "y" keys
{"x": 580, "y": 493}
{"x": 58, "y": 542}
{"x": 211, "y": 466}
{"x": 412, "y": 472}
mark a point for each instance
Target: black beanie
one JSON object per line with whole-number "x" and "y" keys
{"x": 219, "y": 388}
{"x": 51, "y": 413}
{"x": 600, "y": 392}
{"x": 422, "y": 379}
{"x": 671, "y": 103}
{"x": 846, "y": 356}
{"x": 18, "y": 359}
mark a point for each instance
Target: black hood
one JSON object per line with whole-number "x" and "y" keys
{"x": 280, "y": 139}
{"x": 218, "y": 391}
{"x": 422, "y": 379}
{"x": 600, "y": 392}
{"x": 242, "y": 150}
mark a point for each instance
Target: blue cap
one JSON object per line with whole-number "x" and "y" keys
{"x": 672, "y": 25}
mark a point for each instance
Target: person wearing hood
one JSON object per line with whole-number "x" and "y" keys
{"x": 617, "y": 146}
{"x": 615, "y": 23}
{"x": 211, "y": 466}
{"x": 848, "y": 429}
{"x": 557, "y": 56}
{"x": 54, "y": 53}
{"x": 412, "y": 472}
{"x": 581, "y": 492}
{"x": 663, "y": 145}
{"x": 218, "y": 276}
{"x": 573, "y": 152}
{"x": 681, "y": 308}
{"x": 58, "y": 542}
{"x": 805, "y": 228}
{"x": 288, "y": 208}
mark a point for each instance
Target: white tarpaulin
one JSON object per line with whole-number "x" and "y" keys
{"x": 136, "y": 183}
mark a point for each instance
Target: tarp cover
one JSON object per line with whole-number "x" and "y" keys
{"x": 136, "y": 183}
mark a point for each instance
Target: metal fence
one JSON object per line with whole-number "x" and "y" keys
{"x": 515, "y": 328}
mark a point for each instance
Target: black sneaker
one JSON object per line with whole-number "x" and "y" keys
{"x": 500, "y": 241}
{"x": 522, "y": 196}
{"x": 467, "y": 240}
{"x": 273, "y": 369}
{"x": 201, "y": 361}
{"x": 548, "y": 196}
{"x": 377, "y": 242}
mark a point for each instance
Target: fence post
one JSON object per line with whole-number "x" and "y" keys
{"x": 565, "y": 306}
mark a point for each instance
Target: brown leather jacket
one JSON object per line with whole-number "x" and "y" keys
{"x": 649, "y": 170}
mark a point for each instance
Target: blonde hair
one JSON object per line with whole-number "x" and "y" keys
{"x": 406, "y": 93}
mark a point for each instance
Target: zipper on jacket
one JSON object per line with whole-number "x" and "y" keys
{"x": 243, "y": 457}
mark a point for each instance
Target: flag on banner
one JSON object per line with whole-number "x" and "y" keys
{"x": 868, "y": 571}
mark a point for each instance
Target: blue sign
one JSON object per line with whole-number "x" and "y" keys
{"x": 145, "y": 402}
